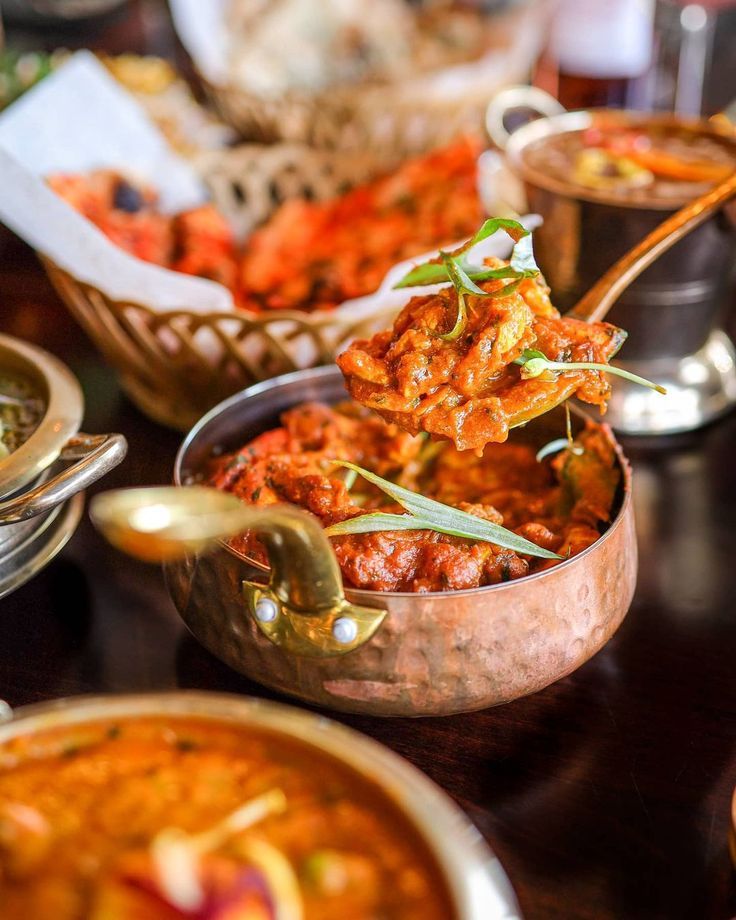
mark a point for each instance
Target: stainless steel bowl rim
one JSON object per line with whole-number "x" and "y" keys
{"x": 362, "y": 595}
{"x": 579, "y": 121}
{"x": 472, "y": 873}
{"x": 61, "y": 419}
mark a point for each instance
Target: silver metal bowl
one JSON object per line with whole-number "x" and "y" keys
{"x": 476, "y": 882}
{"x": 674, "y": 311}
{"x": 41, "y": 499}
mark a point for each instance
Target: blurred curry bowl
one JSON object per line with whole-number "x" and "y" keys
{"x": 602, "y": 180}
{"x": 436, "y": 652}
{"x": 191, "y": 804}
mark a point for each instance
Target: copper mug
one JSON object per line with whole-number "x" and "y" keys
{"x": 674, "y": 311}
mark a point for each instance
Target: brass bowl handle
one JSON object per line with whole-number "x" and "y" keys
{"x": 517, "y": 97}
{"x": 302, "y": 608}
{"x": 95, "y": 455}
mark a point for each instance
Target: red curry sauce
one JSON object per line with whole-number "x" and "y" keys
{"x": 80, "y": 807}
{"x": 560, "y": 504}
{"x": 469, "y": 390}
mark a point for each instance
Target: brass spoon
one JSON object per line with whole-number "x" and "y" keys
{"x": 595, "y": 304}
{"x": 302, "y": 608}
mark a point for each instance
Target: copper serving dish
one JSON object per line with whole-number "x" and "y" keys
{"x": 406, "y": 654}
{"x": 476, "y": 882}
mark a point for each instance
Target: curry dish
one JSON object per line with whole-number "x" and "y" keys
{"x": 310, "y": 255}
{"x": 168, "y": 819}
{"x": 21, "y": 411}
{"x": 634, "y": 164}
{"x": 561, "y": 504}
{"x": 470, "y": 390}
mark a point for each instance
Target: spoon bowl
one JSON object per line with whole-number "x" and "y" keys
{"x": 164, "y": 523}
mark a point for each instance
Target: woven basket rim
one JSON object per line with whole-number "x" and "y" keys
{"x": 336, "y": 316}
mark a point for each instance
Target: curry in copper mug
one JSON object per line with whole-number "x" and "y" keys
{"x": 635, "y": 164}
{"x": 172, "y": 818}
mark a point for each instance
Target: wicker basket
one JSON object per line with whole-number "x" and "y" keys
{"x": 177, "y": 365}
{"x": 392, "y": 121}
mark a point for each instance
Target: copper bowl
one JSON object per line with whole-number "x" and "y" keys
{"x": 475, "y": 881}
{"x": 433, "y": 654}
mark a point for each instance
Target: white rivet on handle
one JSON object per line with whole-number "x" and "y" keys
{"x": 345, "y": 630}
{"x": 266, "y": 610}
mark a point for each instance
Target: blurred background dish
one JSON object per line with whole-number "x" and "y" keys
{"x": 359, "y": 99}
{"x": 41, "y": 502}
{"x": 341, "y": 827}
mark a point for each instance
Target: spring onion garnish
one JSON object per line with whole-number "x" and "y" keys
{"x": 534, "y": 363}
{"x": 554, "y": 447}
{"x": 566, "y": 443}
{"x": 452, "y": 266}
{"x": 428, "y": 514}
{"x": 176, "y": 855}
{"x": 462, "y": 285}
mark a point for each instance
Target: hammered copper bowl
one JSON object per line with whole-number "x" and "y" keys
{"x": 435, "y": 653}
{"x": 476, "y": 883}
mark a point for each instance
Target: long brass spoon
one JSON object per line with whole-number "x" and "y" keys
{"x": 595, "y": 304}
{"x": 303, "y": 607}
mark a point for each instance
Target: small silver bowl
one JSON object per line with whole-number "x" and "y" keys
{"x": 40, "y": 501}
{"x": 674, "y": 311}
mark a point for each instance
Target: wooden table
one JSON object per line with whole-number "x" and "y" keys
{"x": 605, "y": 796}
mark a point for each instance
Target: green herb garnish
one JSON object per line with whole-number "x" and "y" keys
{"x": 534, "y": 363}
{"x": 453, "y": 267}
{"x": 428, "y": 514}
{"x": 521, "y": 263}
{"x": 566, "y": 443}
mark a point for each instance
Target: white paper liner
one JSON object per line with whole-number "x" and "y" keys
{"x": 200, "y": 25}
{"x": 79, "y": 118}
{"x": 76, "y": 120}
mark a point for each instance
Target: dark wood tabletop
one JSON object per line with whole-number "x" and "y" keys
{"x": 605, "y": 796}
